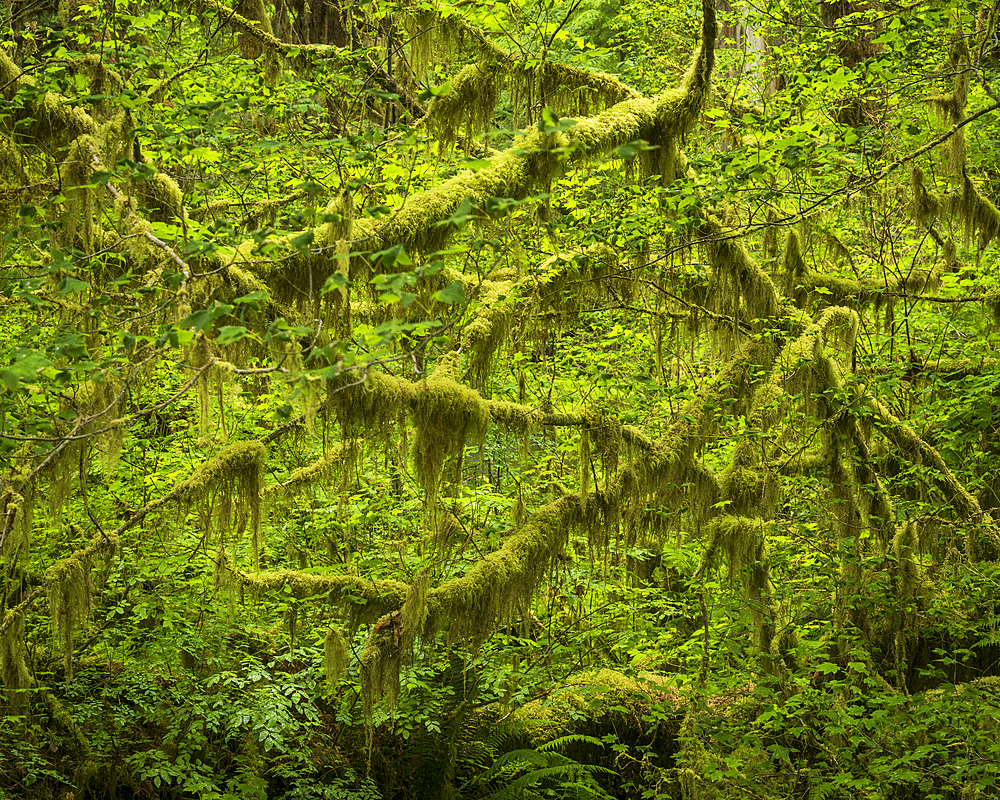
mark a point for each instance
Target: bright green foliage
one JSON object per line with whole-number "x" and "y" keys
{"x": 504, "y": 400}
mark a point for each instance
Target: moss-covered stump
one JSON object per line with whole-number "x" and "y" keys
{"x": 639, "y": 718}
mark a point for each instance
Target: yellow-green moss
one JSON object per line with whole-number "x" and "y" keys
{"x": 323, "y": 470}
{"x": 926, "y": 204}
{"x": 335, "y": 656}
{"x": 69, "y": 591}
{"x": 377, "y": 597}
{"x": 446, "y": 415}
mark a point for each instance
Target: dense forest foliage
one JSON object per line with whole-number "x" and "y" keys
{"x": 509, "y": 399}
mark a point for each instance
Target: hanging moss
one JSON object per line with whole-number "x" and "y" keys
{"x": 413, "y": 617}
{"x": 447, "y": 528}
{"x": 323, "y": 470}
{"x": 583, "y": 458}
{"x": 795, "y": 269}
{"x": 514, "y": 417}
{"x": 905, "y": 547}
{"x": 981, "y": 216}
{"x": 739, "y": 539}
{"x": 982, "y": 538}
{"x": 446, "y": 415}
{"x": 379, "y": 663}
{"x": 370, "y": 404}
{"x": 14, "y": 674}
{"x": 925, "y": 204}
{"x": 17, "y": 502}
{"x": 340, "y": 211}
{"x": 162, "y": 196}
{"x": 741, "y": 290}
{"x": 335, "y": 656}
{"x": 472, "y": 99}
{"x": 470, "y": 605}
{"x": 81, "y": 195}
{"x": 230, "y": 482}
{"x": 483, "y": 336}
{"x": 69, "y": 593}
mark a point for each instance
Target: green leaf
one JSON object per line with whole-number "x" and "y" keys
{"x": 231, "y": 334}
{"x": 303, "y": 240}
{"x": 71, "y": 285}
{"x": 453, "y": 293}
{"x": 335, "y": 281}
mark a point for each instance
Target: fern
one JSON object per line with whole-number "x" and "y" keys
{"x": 542, "y": 766}
{"x": 570, "y": 738}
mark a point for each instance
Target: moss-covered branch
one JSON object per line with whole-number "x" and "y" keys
{"x": 68, "y": 585}
{"x": 235, "y": 472}
{"x": 983, "y": 539}
{"x": 837, "y": 290}
{"x": 265, "y": 39}
{"x": 364, "y": 600}
{"x": 329, "y": 465}
{"x": 420, "y": 225}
